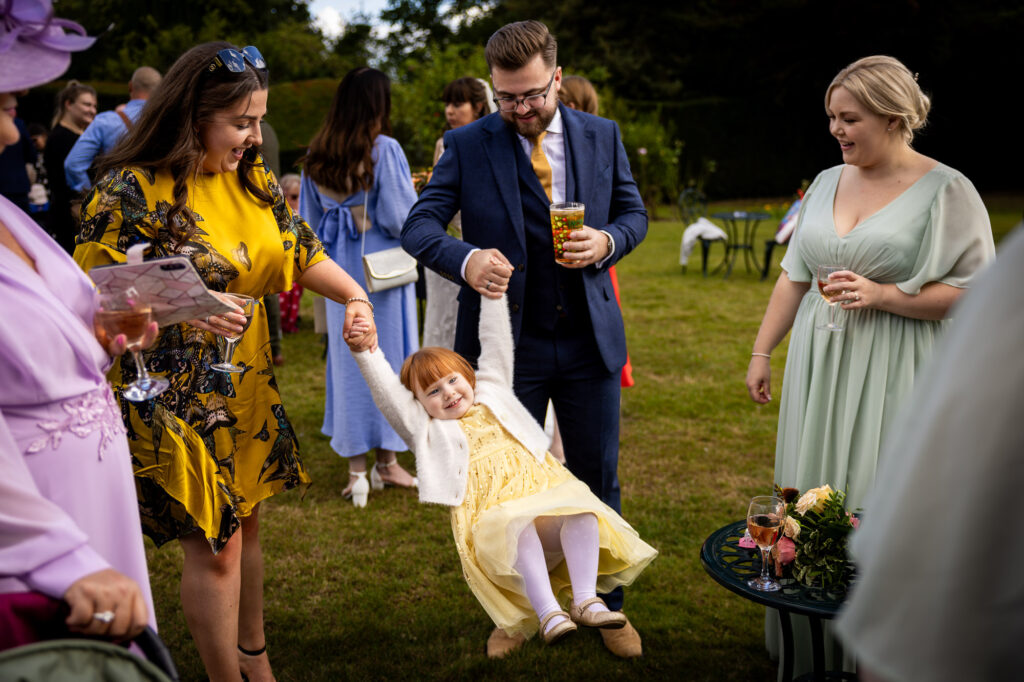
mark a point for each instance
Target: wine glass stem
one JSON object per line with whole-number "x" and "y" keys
{"x": 764, "y": 564}
{"x": 141, "y": 375}
{"x": 831, "y": 315}
{"x": 229, "y": 350}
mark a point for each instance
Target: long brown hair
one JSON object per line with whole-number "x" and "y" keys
{"x": 340, "y": 154}
{"x": 167, "y": 135}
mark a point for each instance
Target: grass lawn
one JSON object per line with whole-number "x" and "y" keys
{"x": 377, "y": 593}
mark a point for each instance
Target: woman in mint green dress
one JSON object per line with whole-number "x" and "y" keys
{"x": 910, "y": 235}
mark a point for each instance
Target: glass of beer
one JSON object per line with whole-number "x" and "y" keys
{"x": 129, "y": 313}
{"x": 566, "y": 217}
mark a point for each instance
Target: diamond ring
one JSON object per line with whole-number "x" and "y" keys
{"x": 104, "y": 616}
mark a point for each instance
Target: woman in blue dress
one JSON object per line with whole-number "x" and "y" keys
{"x": 356, "y": 185}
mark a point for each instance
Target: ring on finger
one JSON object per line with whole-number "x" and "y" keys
{"x": 489, "y": 283}
{"x": 104, "y": 616}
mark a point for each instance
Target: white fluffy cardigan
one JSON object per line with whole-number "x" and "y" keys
{"x": 440, "y": 446}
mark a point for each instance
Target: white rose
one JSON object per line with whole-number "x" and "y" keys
{"x": 813, "y": 499}
{"x": 792, "y": 529}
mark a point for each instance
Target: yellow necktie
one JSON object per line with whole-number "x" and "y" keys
{"x": 540, "y": 164}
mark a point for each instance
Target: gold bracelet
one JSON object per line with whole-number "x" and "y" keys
{"x": 361, "y": 300}
{"x": 762, "y": 355}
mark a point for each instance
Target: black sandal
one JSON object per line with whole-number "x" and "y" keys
{"x": 258, "y": 652}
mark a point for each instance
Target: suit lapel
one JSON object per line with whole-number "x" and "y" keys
{"x": 499, "y": 148}
{"x": 581, "y": 142}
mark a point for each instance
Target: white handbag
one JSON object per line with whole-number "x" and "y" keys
{"x": 386, "y": 269}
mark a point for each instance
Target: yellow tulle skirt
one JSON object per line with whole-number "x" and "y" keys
{"x": 507, "y": 489}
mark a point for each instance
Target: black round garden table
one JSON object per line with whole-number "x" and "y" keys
{"x": 740, "y": 226}
{"x": 731, "y": 566}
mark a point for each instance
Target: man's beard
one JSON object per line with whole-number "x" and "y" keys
{"x": 534, "y": 126}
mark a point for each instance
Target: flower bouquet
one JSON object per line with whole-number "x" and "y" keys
{"x": 813, "y": 543}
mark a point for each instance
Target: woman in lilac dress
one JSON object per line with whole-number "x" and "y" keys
{"x": 69, "y": 522}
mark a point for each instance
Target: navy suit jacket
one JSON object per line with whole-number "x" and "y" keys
{"x": 477, "y": 175}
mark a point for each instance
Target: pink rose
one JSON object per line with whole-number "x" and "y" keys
{"x": 854, "y": 521}
{"x": 787, "y": 551}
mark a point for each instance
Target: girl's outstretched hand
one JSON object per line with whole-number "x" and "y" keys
{"x": 361, "y": 335}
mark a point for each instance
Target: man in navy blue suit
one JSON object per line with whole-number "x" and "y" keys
{"x": 503, "y": 171}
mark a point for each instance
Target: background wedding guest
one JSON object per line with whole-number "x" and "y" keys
{"x": 578, "y": 93}
{"x": 271, "y": 150}
{"x": 76, "y": 107}
{"x": 69, "y": 524}
{"x": 290, "y": 301}
{"x": 938, "y": 594}
{"x": 39, "y": 195}
{"x": 213, "y": 446}
{"x": 107, "y": 128}
{"x": 910, "y": 234}
{"x": 465, "y": 100}
{"x": 356, "y": 185}
{"x": 16, "y": 157}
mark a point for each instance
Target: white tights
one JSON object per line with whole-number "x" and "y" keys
{"x": 576, "y": 537}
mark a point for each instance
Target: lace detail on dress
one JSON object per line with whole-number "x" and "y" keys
{"x": 95, "y": 411}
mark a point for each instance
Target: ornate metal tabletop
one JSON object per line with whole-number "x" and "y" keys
{"x": 731, "y": 566}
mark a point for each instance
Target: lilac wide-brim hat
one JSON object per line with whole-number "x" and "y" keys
{"x": 34, "y": 47}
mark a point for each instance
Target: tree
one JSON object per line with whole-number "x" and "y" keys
{"x": 158, "y": 32}
{"x": 417, "y": 112}
{"x": 423, "y": 27}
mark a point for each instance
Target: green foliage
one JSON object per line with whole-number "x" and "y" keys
{"x": 297, "y": 110}
{"x": 417, "y": 112}
{"x": 423, "y": 27}
{"x": 157, "y": 32}
{"x": 821, "y": 557}
{"x": 651, "y": 146}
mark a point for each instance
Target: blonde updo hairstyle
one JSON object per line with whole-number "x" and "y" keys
{"x": 887, "y": 88}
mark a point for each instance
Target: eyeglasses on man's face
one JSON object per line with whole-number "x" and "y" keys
{"x": 234, "y": 60}
{"x": 529, "y": 101}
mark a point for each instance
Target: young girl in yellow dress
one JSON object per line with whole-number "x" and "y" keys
{"x": 529, "y": 534}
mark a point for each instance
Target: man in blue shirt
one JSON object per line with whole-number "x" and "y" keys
{"x": 107, "y": 128}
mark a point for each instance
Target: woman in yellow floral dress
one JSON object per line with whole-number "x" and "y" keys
{"x": 189, "y": 179}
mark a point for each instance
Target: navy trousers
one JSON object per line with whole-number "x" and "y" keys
{"x": 564, "y": 366}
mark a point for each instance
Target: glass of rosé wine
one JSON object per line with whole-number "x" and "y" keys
{"x": 765, "y": 518}
{"x": 823, "y": 274}
{"x": 128, "y": 312}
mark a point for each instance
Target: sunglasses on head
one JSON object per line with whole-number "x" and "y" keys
{"x": 234, "y": 60}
